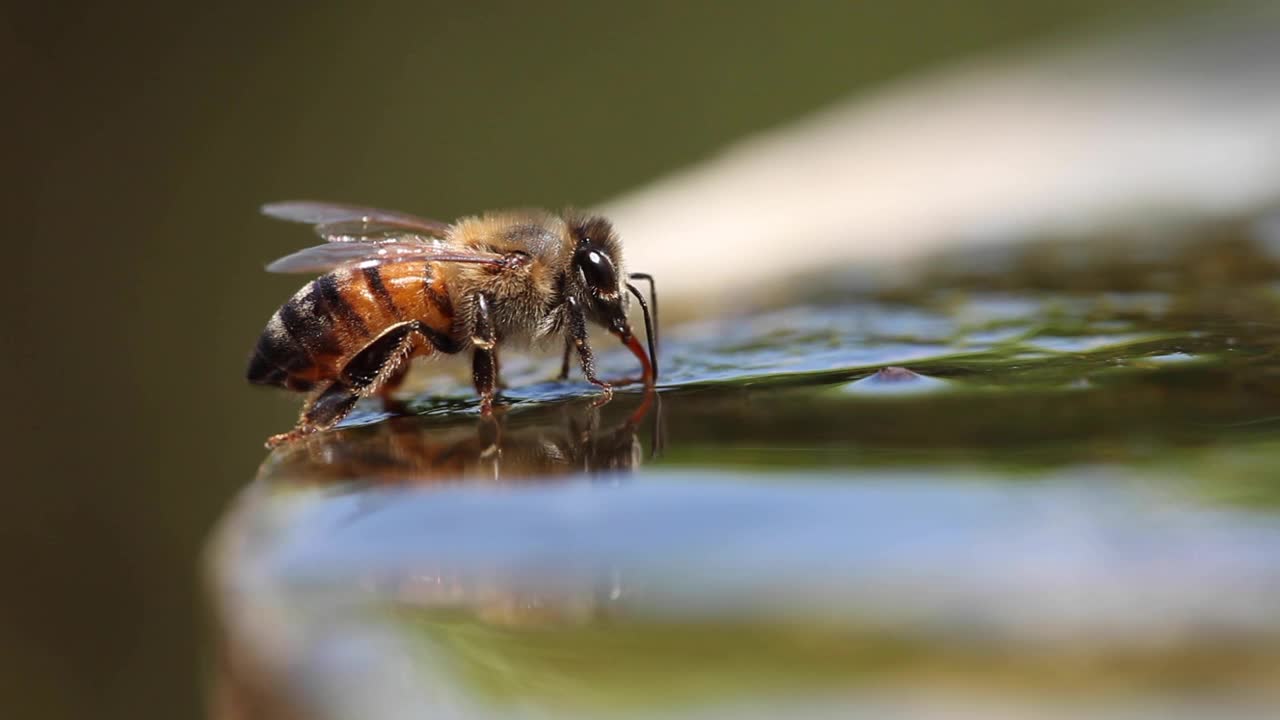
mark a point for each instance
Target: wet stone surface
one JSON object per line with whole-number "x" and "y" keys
{"x": 1016, "y": 490}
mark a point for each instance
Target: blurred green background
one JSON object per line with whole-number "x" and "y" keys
{"x": 141, "y": 138}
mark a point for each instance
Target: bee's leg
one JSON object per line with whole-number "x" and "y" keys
{"x": 322, "y": 410}
{"x": 568, "y": 353}
{"x": 375, "y": 370}
{"x": 497, "y": 371}
{"x": 393, "y": 381}
{"x": 382, "y": 365}
{"x": 484, "y": 362}
{"x": 578, "y": 335}
{"x": 329, "y": 406}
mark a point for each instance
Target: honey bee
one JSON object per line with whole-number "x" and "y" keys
{"x": 395, "y": 286}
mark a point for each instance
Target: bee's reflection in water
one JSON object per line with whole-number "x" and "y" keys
{"x": 538, "y": 444}
{"x": 337, "y": 490}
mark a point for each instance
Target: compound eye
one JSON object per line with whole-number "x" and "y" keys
{"x": 597, "y": 270}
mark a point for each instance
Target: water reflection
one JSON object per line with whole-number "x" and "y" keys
{"x": 380, "y": 470}
{"x": 538, "y": 443}
{"x": 683, "y": 589}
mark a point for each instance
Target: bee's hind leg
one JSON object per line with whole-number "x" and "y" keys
{"x": 386, "y": 392}
{"x": 323, "y": 410}
{"x": 380, "y": 368}
{"x": 375, "y": 370}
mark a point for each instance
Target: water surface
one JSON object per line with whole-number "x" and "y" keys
{"x": 1036, "y": 482}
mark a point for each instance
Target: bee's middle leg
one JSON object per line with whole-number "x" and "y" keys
{"x": 484, "y": 356}
{"x": 498, "y": 382}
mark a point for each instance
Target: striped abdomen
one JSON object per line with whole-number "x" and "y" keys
{"x": 311, "y": 337}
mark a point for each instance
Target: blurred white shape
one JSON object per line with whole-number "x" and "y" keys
{"x": 1150, "y": 128}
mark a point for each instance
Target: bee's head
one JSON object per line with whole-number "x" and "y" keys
{"x": 597, "y": 279}
{"x": 597, "y": 272}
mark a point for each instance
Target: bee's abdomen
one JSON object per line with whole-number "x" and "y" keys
{"x": 279, "y": 360}
{"x": 312, "y": 336}
{"x": 308, "y": 338}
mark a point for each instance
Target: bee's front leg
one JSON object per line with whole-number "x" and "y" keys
{"x": 484, "y": 361}
{"x": 578, "y": 336}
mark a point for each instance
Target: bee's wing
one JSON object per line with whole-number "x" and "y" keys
{"x": 336, "y": 222}
{"x": 322, "y": 258}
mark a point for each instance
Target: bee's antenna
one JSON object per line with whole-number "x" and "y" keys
{"x": 648, "y": 327}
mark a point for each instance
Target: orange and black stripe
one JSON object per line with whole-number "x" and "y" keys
{"x": 373, "y": 278}
{"x": 341, "y": 314}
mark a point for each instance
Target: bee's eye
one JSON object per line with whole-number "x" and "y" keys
{"x": 597, "y": 269}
